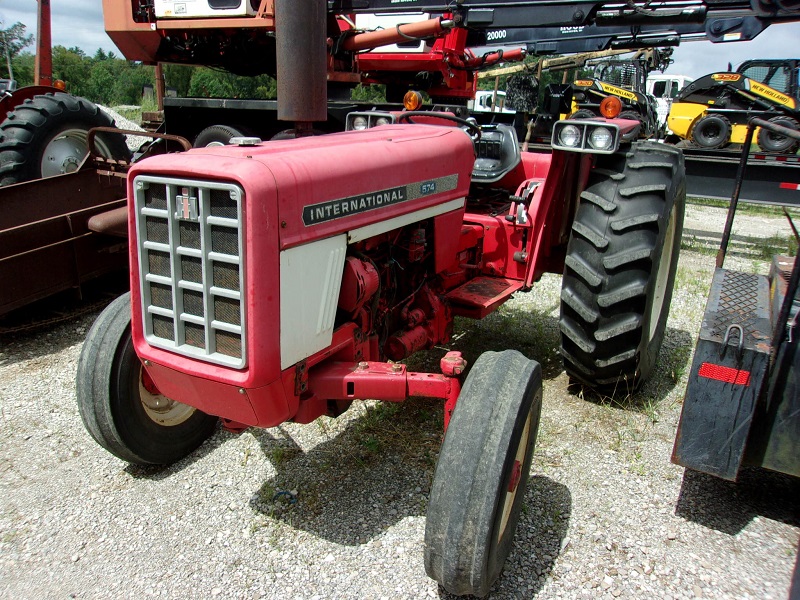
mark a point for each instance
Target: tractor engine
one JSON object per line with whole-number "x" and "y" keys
{"x": 252, "y": 264}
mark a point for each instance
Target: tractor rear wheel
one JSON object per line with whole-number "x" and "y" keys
{"x": 712, "y": 131}
{"x": 620, "y": 267}
{"x": 482, "y": 473}
{"x": 47, "y": 135}
{"x": 769, "y": 141}
{"x": 118, "y": 403}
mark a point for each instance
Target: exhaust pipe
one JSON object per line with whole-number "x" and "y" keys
{"x": 301, "y": 50}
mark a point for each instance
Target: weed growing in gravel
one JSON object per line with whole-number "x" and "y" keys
{"x": 694, "y": 244}
{"x": 691, "y": 282}
{"x": 281, "y": 454}
{"x": 777, "y": 244}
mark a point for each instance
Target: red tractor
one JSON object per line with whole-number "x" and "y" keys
{"x": 280, "y": 281}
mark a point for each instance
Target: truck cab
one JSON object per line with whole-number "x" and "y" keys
{"x": 665, "y": 88}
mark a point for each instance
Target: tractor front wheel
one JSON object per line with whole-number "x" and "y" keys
{"x": 482, "y": 473}
{"x": 47, "y": 135}
{"x": 769, "y": 141}
{"x": 119, "y": 404}
{"x": 620, "y": 267}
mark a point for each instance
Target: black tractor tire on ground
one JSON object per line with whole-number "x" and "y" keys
{"x": 46, "y": 135}
{"x": 769, "y": 141}
{"x": 486, "y": 452}
{"x": 620, "y": 267}
{"x": 711, "y": 131}
{"x": 217, "y": 135}
{"x": 583, "y": 113}
{"x": 116, "y": 408}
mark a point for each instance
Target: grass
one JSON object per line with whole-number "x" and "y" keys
{"x": 749, "y": 208}
{"x": 778, "y": 244}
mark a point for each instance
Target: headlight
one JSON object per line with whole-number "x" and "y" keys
{"x": 358, "y": 121}
{"x": 570, "y": 136}
{"x": 593, "y": 137}
{"x": 601, "y": 138}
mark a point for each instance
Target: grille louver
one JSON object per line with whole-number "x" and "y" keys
{"x": 192, "y": 267}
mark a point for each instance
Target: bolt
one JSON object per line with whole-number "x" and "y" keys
{"x": 363, "y": 366}
{"x": 397, "y": 368}
{"x": 241, "y": 390}
{"x": 147, "y": 363}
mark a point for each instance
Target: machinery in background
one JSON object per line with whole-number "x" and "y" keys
{"x": 713, "y": 111}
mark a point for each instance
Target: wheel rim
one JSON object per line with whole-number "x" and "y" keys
{"x": 516, "y": 477}
{"x": 66, "y": 151}
{"x": 664, "y": 268}
{"x": 160, "y": 409}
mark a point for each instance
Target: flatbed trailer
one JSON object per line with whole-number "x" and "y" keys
{"x": 771, "y": 178}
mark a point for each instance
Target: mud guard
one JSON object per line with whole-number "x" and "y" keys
{"x": 728, "y": 373}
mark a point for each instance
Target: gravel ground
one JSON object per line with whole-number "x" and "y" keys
{"x": 606, "y": 514}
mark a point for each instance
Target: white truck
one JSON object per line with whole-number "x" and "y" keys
{"x": 665, "y": 88}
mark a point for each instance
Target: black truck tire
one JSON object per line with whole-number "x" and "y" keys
{"x": 117, "y": 409}
{"x": 769, "y": 141}
{"x": 711, "y": 131}
{"x": 217, "y": 135}
{"x": 482, "y": 472}
{"x": 47, "y": 135}
{"x": 583, "y": 113}
{"x": 620, "y": 267}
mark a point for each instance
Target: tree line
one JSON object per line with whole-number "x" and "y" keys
{"x": 107, "y": 79}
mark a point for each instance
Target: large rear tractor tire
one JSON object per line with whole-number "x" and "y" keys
{"x": 47, "y": 135}
{"x": 769, "y": 141}
{"x": 620, "y": 267}
{"x": 119, "y": 405}
{"x": 711, "y": 131}
{"x": 482, "y": 472}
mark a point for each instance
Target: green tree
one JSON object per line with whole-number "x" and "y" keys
{"x": 12, "y": 41}
{"x": 178, "y": 77}
{"x": 212, "y": 83}
{"x": 71, "y": 66}
{"x": 23, "y": 65}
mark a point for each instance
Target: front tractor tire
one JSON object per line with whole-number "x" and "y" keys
{"x": 47, "y": 135}
{"x": 120, "y": 407}
{"x": 482, "y": 473}
{"x": 620, "y": 267}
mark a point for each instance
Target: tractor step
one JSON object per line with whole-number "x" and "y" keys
{"x": 480, "y": 296}
{"x": 728, "y": 371}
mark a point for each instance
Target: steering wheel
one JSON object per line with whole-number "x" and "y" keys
{"x": 473, "y": 129}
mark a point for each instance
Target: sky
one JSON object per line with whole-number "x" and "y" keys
{"x": 80, "y": 23}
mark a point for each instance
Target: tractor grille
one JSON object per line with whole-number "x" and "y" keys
{"x": 192, "y": 267}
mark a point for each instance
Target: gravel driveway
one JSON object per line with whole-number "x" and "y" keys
{"x": 606, "y": 514}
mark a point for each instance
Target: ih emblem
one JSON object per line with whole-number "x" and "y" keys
{"x": 187, "y": 206}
